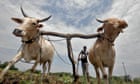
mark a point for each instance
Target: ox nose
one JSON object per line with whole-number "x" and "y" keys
{"x": 17, "y": 32}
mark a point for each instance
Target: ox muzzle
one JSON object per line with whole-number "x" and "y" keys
{"x": 18, "y": 32}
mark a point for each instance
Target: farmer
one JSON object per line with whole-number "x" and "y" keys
{"x": 84, "y": 62}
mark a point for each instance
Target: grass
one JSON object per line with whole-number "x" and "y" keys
{"x": 18, "y": 77}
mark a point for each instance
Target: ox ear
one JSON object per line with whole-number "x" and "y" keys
{"x": 17, "y": 20}
{"x": 100, "y": 29}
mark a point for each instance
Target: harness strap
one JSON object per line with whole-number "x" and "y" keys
{"x": 29, "y": 41}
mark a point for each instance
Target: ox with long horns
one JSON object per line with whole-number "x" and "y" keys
{"x": 102, "y": 54}
{"x": 34, "y": 46}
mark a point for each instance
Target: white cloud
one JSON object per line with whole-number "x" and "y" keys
{"x": 79, "y": 4}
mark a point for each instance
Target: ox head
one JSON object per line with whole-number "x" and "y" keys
{"x": 112, "y": 27}
{"x": 28, "y": 25}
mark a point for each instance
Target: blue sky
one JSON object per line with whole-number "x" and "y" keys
{"x": 75, "y": 16}
{"x": 75, "y": 13}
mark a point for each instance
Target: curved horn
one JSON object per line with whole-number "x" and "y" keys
{"x": 42, "y": 20}
{"x": 101, "y": 21}
{"x": 24, "y": 14}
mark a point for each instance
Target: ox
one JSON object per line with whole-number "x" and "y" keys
{"x": 34, "y": 46}
{"x": 102, "y": 54}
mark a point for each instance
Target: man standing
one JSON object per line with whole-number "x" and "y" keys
{"x": 84, "y": 62}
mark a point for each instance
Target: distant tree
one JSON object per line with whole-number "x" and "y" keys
{"x": 3, "y": 65}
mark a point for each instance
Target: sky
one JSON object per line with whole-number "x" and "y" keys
{"x": 75, "y": 16}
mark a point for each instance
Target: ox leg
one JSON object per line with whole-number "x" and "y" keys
{"x": 104, "y": 72}
{"x": 110, "y": 74}
{"x": 44, "y": 69}
{"x": 97, "y": 74}
{"x": 49, "y": 66}
{"x": 34, "y": 66}
{"x": 14, "y": 60}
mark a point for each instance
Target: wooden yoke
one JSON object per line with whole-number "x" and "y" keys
{"x": 70, "y": 36}
{"x": 69, "y": 46}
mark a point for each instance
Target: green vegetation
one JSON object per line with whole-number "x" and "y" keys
{"x": 5, "y": 64}
{"x": 18, "y": 77}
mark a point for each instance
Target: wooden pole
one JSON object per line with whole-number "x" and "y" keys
{"x": 70, "y": 55}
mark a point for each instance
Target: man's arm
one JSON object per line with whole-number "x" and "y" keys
{"x": 79, "y": 58}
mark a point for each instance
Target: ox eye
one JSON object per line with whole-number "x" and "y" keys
{"x": 33, "y": 23}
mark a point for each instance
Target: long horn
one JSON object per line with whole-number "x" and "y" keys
{"x": 45, "y": 19}
{"x": 24, "y": 14}
{"x": 101, "y": 21}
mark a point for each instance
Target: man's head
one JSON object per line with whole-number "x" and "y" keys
{"x": 84, "y": 47}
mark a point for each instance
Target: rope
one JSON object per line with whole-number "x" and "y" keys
{"x": 40, "y": 50}
{"x": 57, "y": 51}
{"x": 19, "y": 49}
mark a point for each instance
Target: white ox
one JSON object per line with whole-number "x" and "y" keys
{"x": 102, "y": 54}
{"x": 34, "y": 46}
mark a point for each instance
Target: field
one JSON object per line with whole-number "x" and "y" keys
{"x": 18, "y": 77}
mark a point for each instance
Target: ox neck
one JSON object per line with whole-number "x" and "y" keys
{"x": 109, "y": 40}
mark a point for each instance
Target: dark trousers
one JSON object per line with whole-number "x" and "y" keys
{"x": 85, "y": 68}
